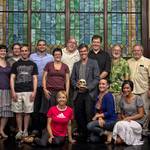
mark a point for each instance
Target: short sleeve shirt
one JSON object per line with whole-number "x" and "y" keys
{"x": 140, "y": 73}
{"x": 56, "y": 78}
{"x": 117, "y": 75}
{"x": 24, "y": 71}
{"x": 59, "y": 120}
{"x": 129, "y": 109}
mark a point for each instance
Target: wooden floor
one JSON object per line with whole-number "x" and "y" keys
{"x": 10, "y": 144}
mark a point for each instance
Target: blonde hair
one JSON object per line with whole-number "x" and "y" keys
{"x": 61, "y": 92}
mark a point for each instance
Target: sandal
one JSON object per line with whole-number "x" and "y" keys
{"x": 28, "y": 139}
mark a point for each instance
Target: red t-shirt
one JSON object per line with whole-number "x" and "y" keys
{"x": 60, "y": 119}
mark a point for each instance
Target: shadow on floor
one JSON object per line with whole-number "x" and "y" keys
{"x": 11, "y": 144}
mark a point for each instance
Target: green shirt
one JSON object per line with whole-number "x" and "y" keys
{"x": 118, "y": 73}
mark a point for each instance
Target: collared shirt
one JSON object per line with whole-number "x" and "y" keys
{"x": 118, "y": 73}
{"x": 70, "y": 58}
{"x": 140, "y": 73}
{"x": 103, "y": 60}
{"x": 41, "y": 61}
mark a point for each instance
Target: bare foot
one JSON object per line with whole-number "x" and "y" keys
{"x": 109, "y": 138}
{"x": 119, "y": 140}
{"x": 3, "y": 135}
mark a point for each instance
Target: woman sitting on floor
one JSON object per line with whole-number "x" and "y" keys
{"x": 59, "y": 123}
{"x": 129, "y": 129}
{"x": 106, "y": 117}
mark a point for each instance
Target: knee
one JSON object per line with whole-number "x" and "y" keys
{"x": 58, "y": 141}
{"x": 90, "y": 126}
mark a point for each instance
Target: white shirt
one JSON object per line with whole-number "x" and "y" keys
{"x": 70, "y": 58}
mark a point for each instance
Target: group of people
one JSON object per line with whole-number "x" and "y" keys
{"x": 107, "y": 94}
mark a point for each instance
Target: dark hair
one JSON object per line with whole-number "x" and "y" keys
{"x": 129, "y": 82}
{"x": 108, "y": 81}
{"x": 41, "y": 40}
{"x": 82, "y": 45}
{"x": 57, "y": 50}
{"x": 3, "y": 47}
{"x": 15, "y": 45}
{"x": 97, "y": 37}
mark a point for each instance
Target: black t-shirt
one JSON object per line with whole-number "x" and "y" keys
{"x": 103, "y": 60}
{"x": 24, "y": 71}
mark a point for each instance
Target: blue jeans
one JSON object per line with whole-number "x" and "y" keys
{"x": 96, "y": 131}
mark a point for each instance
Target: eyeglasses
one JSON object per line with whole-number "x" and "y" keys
{"x": 72, "y": 42}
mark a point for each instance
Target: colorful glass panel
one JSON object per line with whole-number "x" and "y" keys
{"x": 86, "y": 5}
{"x": 48, "y": 5}
{"x": 13, "y": 21}
{"x": 48, "y": 21}
{"x": 48, "y": 26}
{"x": 124, "y": 23}
{"x": 17, "y": 5}
{"x": 86, "y": 19}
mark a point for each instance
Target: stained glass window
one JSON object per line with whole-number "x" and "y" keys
{"x": 120, "y": 22}
{"x": 124, "y": 23}
{"x": 48, "y": 21}
{"x": 13, "y": 21}
{"x": 86, "y": 19}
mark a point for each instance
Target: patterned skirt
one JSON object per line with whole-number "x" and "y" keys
{"x": 5, "y": 104}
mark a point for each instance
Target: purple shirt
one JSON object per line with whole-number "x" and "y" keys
{"x": 56, "y": 79}
{"x": 4, "y": 77}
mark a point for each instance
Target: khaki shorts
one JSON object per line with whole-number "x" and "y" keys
{"x": 23, "y": 104}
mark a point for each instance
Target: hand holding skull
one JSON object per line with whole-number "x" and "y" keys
{"x": 82, "y": 86}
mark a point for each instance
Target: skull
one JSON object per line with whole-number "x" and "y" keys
{"x": 82, "y": 83}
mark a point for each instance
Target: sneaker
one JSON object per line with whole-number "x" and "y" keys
{"x": 19, "y": 135}
{"x": 25, "y": 133}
